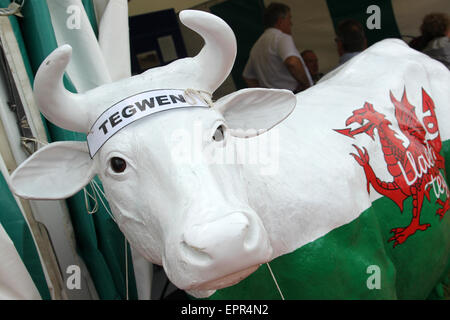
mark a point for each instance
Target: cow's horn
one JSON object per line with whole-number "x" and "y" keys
{"x": 216, "y": 59}
{"x": 58, "y": 105}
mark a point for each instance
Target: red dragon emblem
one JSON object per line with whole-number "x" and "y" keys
{"x": 416, "y": 169}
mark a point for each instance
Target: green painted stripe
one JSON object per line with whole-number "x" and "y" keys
{"x": 357, "y": 9}
{"x": 90, "y": 12}
{"x": 335, "y": 265}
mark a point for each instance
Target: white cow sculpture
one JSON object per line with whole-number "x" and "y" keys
{"x": 213, "y": 224}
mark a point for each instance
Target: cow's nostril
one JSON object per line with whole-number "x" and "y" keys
{"x": 234, "y": 233}
{"x": 194, "y": 254}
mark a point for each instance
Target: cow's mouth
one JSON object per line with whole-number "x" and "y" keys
{"x": 207, "y": 288}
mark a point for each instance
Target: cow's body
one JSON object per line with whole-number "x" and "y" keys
{"x": 313, "y": 153}
{"x": 213, "y": 224}
{"x": 320, "y": 187}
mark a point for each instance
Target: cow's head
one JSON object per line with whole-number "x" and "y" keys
{"x": 194, "y": 219}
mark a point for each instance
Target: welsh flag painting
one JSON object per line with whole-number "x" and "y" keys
{"x": 384, "y": 112}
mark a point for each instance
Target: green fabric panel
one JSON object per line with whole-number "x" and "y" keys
{"x": 245, "y": 17}
{"x": 19, "y": 38}
{"x": 112, "y": 243}
{"x": 10, "y": 214}
{"x": 18, "y": 35}
{"x": 356, "y": 9}
{"x": 112, "y": 247}
{"x": 99, "y": 241}
{"x": 15, "y": 225}
{"x": 335, "y": 265}
{"x": 90, "y": 11}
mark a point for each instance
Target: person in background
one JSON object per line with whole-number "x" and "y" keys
{"x": 350, "y": 39}
{"x": 312, "y": 63}
{"x": 435, "y": 37}
{"x": 274, "y": 60}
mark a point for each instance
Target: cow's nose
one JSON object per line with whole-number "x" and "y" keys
{"x": 227, "y": 236}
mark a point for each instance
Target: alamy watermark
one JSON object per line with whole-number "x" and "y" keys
{"x": 73, "y": 281}
{"x": 194, "y": 146}
{"x": 374, "y": 280}
{"x": 73, "y": 21}
{"x": 374, "y": 20}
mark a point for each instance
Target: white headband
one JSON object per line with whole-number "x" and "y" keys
{"x": 136, "y": 107}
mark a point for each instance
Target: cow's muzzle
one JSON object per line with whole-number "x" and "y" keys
{"x": 220, "y": 252}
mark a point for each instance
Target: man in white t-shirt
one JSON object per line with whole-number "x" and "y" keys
{"x": 274, "y": 59}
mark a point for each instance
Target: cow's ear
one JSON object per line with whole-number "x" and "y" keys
{"x": 249, "y": 112}
{"x": 56, "y": 171}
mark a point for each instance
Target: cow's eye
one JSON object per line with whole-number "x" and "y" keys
{"x": 219, "y": 134}
{"x": 118, "y": 164}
